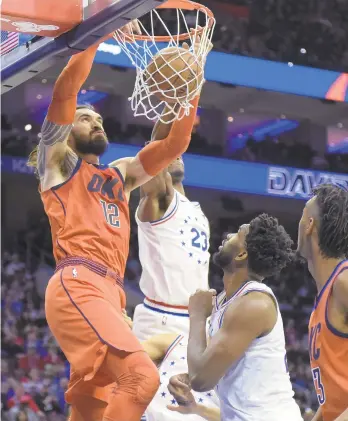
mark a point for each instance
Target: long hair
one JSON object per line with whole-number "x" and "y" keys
{"x": 32, "y": 158}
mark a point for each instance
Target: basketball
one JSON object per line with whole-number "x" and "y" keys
{"x": 174, "y": 74}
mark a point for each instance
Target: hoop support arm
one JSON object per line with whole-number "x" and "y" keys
{"x": 18, "y": 67}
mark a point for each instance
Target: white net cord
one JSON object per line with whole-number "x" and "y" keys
{"x": 173, "y": 103}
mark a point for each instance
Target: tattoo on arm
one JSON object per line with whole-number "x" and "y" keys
{"x": 52, "y": 133}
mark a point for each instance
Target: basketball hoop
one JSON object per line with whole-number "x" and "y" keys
{"x": 192, "y": 22}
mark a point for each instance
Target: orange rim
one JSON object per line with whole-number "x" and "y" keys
{"x": 177, "y": 4}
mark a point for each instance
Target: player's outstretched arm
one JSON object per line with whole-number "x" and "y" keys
{"x": 55, "y": 161}
{"x": 157, "y": 346}
{"x": 156, "y": 156}
{"x": 156, "y": 194}
{"x": 246, "y": 319}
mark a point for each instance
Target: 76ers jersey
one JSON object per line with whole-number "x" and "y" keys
{"x": 175, "y": 362}
{"x": 89, "y": 216}
{"x": 174, "y": 253}
{"x": 257, "y": 387}
{"x": 328, "y": 350}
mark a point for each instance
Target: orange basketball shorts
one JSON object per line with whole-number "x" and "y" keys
{"x": 84, "y": 313}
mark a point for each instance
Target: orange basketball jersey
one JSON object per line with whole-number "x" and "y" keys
{"x": 328, "y": 350}
{"x": 89, "y": 216}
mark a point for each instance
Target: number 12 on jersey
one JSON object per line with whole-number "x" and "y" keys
{"x": 111, "y": 213}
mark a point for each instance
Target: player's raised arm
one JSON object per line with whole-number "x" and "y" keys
{"x": 249, "y": 317}
{"x": 53, "y": 159}
{"x": 156, "y": 156}
{"x": 156, "y": 194}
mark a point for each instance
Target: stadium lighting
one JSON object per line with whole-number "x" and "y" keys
{"x": 230, "y": 119}
{"x": 303, "y": 51}
{"x": 27, "y": 127}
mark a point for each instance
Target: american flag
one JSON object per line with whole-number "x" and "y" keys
{"x": 9, "y": 40}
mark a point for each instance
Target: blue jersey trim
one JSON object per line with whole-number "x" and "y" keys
{"x": 317, "y": 300}
{"x": 119, "y": 174}
{"x": 166, "y": 312}
{"x": 77, "y": 167}
{"x": 224, "y": 302}
{"x": 173, "y": 345}
{"x": 327, "y": 321}
{"x": 164, "y": 218}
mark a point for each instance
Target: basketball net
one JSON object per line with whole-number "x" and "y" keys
{"x": 141, "y": 51}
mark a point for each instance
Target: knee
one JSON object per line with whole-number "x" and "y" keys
{"x": 142, "y": 380}
{"x": 147, "y": 379}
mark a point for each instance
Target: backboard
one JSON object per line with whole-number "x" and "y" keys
{"x": 37, "y": 38}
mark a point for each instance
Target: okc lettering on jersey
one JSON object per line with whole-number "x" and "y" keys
{"x": 314, "y": 342}
{"x": 105, "y": 186}
{"x": 314, "y": 353}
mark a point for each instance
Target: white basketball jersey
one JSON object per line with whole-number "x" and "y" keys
{"x": 173, "y": 252}
{"x": 257, "y": 387}
{"x": 175, "y": 362}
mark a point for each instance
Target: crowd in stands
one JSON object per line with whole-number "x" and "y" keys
{"x": 275, "y": 151}
{"x": 290, "y": 153}
{"x": 308, "y": 32}
{"x": 35, "y": 372}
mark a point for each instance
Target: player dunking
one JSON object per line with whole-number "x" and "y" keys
{"x": 323, "y": 242}
{"x": 245, "y": 359}
{"x": 87, "y": 206}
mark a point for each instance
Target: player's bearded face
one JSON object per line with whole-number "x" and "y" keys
{"x": 225, "y": 254}
{"x": 232, "y": 246}
{"x": 92, "y": 142}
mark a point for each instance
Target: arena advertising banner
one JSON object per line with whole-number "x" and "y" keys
{"x": 224, "y": 174}
{"x": 255, "y": 73}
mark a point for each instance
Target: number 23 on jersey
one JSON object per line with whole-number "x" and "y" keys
{"x": 199, "y": 240}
